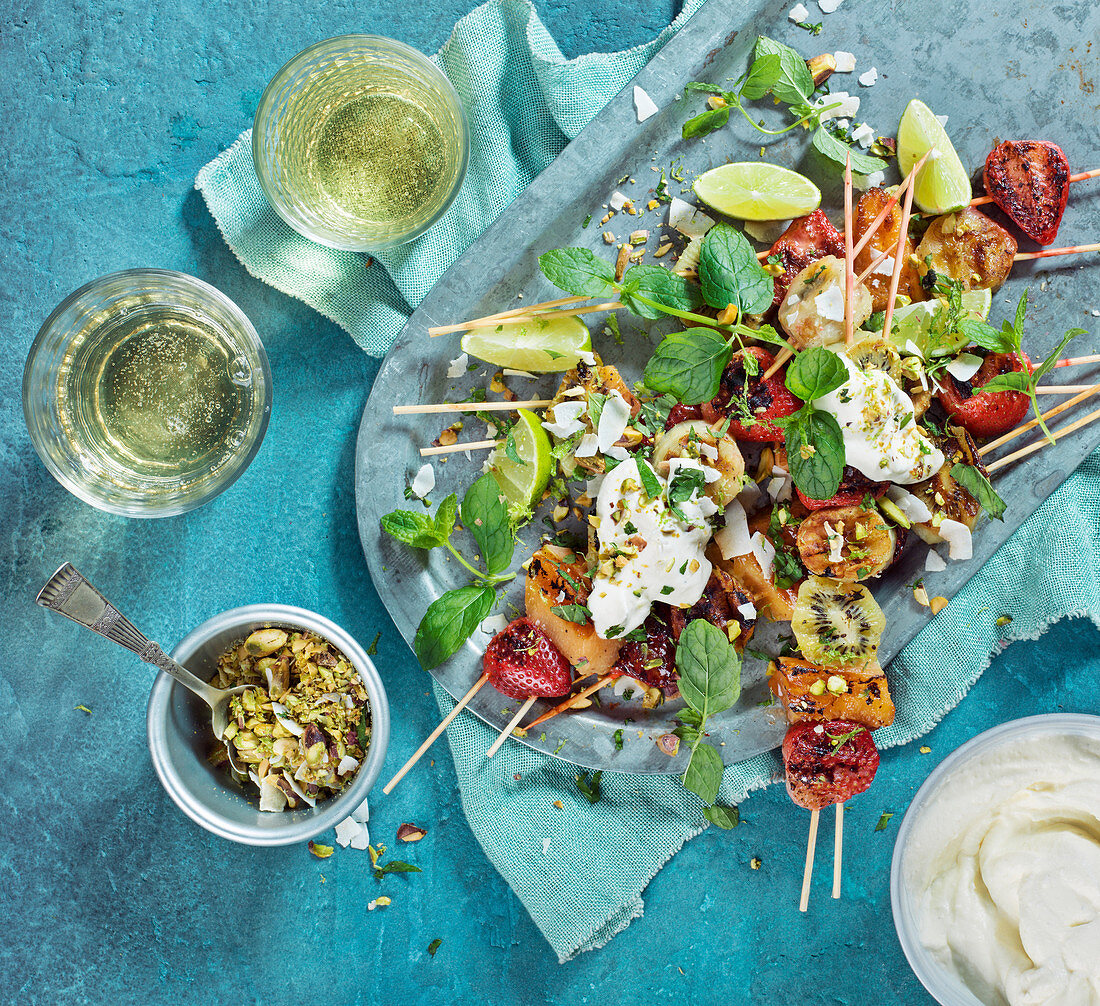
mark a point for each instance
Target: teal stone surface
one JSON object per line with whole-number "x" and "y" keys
{"x": 109, "y": 894}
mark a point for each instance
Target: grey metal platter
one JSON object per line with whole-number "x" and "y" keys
{"x": 998, "y": 71}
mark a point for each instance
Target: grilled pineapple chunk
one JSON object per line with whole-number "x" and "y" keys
{"x": 811, "y": 692}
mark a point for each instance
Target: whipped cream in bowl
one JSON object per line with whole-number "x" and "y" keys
{"x": 995, "y": 881}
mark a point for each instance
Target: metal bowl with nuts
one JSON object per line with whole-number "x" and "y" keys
{"x": 312, "y": 733}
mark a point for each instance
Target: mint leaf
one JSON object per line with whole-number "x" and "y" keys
{"x": 730, "y": 273}
{"x": 705, "y": 122}
{"x": 445, "y": 517}
{"x": 1044, "y": 368}
{"x": 448, "y": 623}
{"x": 704, "y": 773}
{"x": 578, "y": 613}
{"x": 763, "y": 76}
{"x": 795, "y": 83}
{"x": 709, "y": 669}
{"x": 986, "y": 336}
{"x": 485, "y": 516}
{"x": 590, "y": 788}
{"x": 1017, "y": 380}
{"x": 724, "y": 817}
{"x": 650, "y": 483}
{"x": 975, "y": 483}
{"x": 415, "y": 529}
{"x": 577, "y": 271}
{"x": 815, "y": 372}
{"x": 815, "y": 454}
{"x": 688, "y": 365}
{"x": 837, "y": 151}
{"x": 657, "y": 284}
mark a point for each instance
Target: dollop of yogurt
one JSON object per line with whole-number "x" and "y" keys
{"x": 647, "y": 552}
{"x": 1005, "y": 865}
{"x": 882, "y": 439}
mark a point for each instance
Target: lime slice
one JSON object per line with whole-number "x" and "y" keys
{"x": 943, "y": 184}
{"x": 753, "y": 190}
{"x": 545, "y": 345}
{"x": 523, "y": 481}
{"x": 922, "y": 324}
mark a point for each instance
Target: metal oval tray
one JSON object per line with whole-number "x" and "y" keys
{"x": 1038, "y": 55}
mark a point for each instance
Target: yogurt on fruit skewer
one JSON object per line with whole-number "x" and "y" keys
{"x": 647, "y": 552}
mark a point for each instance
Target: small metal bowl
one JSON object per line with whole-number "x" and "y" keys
{"x": 180, "y": 738}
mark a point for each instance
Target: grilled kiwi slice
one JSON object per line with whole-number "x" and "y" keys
{"x": 846, "y": 543}
{"x": 836, "y": 624}
{"x": 876, "y": 353}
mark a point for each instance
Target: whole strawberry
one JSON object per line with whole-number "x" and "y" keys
{"x": 522, "y": 661}
{"x": 828, "y": 762}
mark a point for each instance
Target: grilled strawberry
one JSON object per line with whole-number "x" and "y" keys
{"x": 1029, "y": 180}
{"x": 521, "y": 661}
{"x": 854, "y": 485}
{"x": 987, "y": 413}
{"x": 828, "y": 762}
{"x": 654, "y": 660}
{"x": 806, "y": 240}
{"x": 680, "y": 413}
{"x": 765, "y": 399}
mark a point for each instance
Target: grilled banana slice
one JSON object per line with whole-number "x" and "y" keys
{"x": 846, "y": 543}
{"x": 697, "y": 439}
{"x": 944, "y": 497}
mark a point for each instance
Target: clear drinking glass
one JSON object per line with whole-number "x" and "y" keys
{"x": 360, "y": 142}
{"x": 147, "y": 392}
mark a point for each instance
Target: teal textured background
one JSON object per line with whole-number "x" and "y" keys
{"x": 109, "y": 894}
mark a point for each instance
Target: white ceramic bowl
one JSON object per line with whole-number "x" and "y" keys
{"x": 180, "y": 738}
{"x": 944, "y": 986}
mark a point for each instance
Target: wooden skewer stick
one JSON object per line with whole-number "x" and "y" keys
{"x": 1079, "y": 177}
{"x": 512, "y": 724}
{"x": 503, "y": 315}
{"x": 891, "y": 203}
{"x": 781, "y": 357}
{"x": 1023, "y": 452}
{"x": 435, "y": 733}
{"x": 807, "y": 873}
{"x": 1051, "y": 252}
{"x": 531, "y": 403}
{"x": 838, "y": 848}
{"x": 849, "y": 257}
{"x": 876, "y": 262}
{"x": 903, "y": 230}
{"x": 1063, "y": 389}
{"x": 571, "y": 701}
{"x": 1078, "y": 361}
{"x": 472, "y": 445}
{"x": 1056, "y": 411}
{"x": 567, "y": 312}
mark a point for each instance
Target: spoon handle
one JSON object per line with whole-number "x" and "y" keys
{"x": 68, "y": 593}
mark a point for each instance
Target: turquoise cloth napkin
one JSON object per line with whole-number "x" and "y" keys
{"x": 524, "y": 102}
{"x": 527, "y": 103}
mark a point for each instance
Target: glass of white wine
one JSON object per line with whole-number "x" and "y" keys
{"x": 147, "y": 392}
{"x": 360, "y": 142}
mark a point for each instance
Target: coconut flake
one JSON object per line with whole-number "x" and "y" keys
{"x": 845, "y": 61}
{"x": 494, "y": 624}
{"x": 763, "y": 551}
{"x": 579, "y": 391}
{"x": 586, "y": 446}
{"x": 424, "y": 482}
{"x": 871, "y": 181}
{"x": 750, "y": 495}
{"x": 734, "y": 539}
{"x": 613, "y": 420}
{"x": 592, "y": 485}
{"x": 618, "y": 200}
{"x": 747, "y": 611}
{"x": 913, "y": 349}
{"x": 299, "y": 792}
{"x": 347, "y": 764}
{"x": 766, "y": 231}
{"x": 829, "y": 6}
{"x": 864, "y": 135}
{"x": 346, "y": 830}
{"x": 830, "y": 304}
{"x": 959, "y": 540}
{"x": 689, "y": 220}
{"x": 780, "y": 493}
{"x": 933, "y": 562}
{"x": 458, "y": 365}
{"x": 964, "y": 366}
{"x": 798, "y": 13}
{"x": 509, "y": 372}
{"x": 846, "y": 109}
{"x": 272, "y": 798}
{"x": 644, "y": 105}
{"x": 280, "y": 713}
{"x": 868, "y": 78}
{"x": 545, "y": 846}
{"x": 618, "y": 452}
{"x": 886, "y": 268}
{"x": 942, "y": 120}
{"x": 836, "y": 542}
{"x": 565, "y": 419}
{"x": 361, "y": 814}
{"x": 587, "y": 356}
{"x": 326, "y": 697}
{"x": 912, "y": 506}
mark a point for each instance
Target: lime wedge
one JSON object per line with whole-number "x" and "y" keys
{"x": 545, "y": 345}
{"x": 521, "y": 465}
{"x": 753, "y": 190}
{"x": 922, "y": 324}
{"x": 943, "y": 184}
